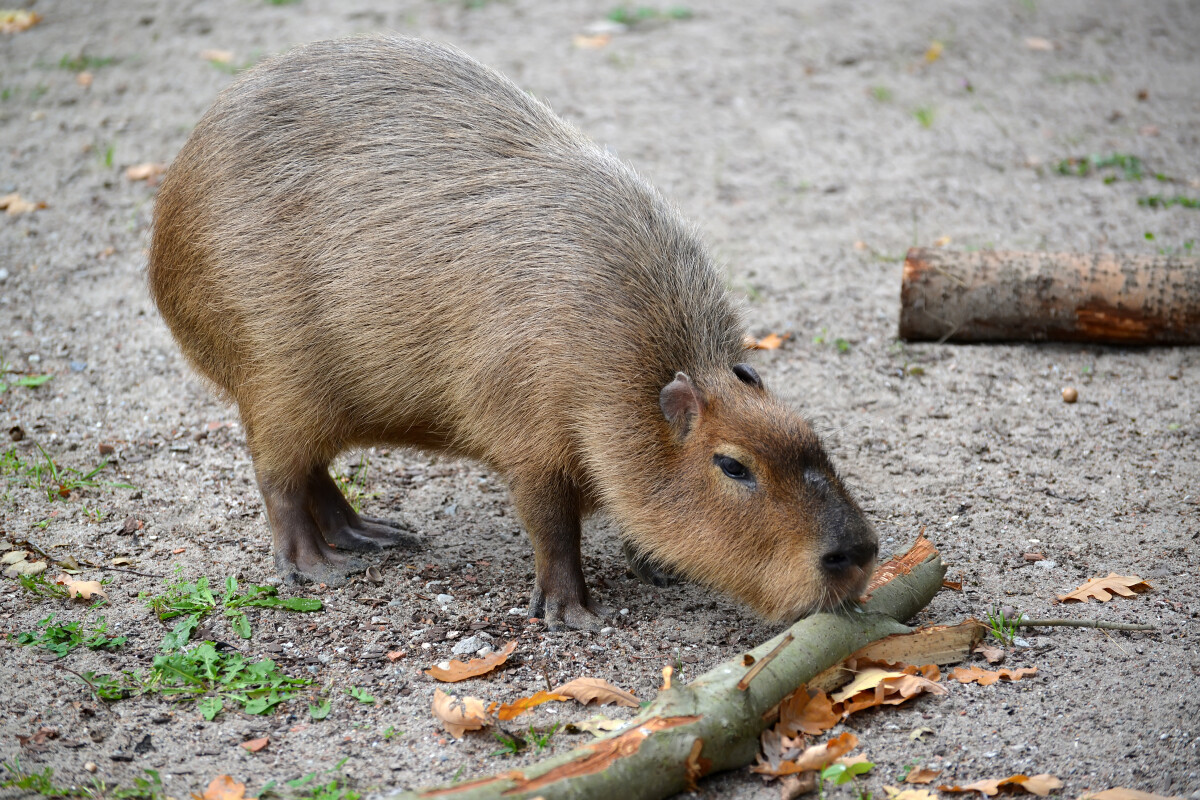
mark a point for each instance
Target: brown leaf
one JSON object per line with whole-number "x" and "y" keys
{"x": 772, "y": 341}
{"x": 17, "y": 21}
{"x": 585, "y": 690}
{"x": 817, "y": 757}
{"x": 1117, "y": 793}
{"x": 13, "y": 204}
{"x": 37, "y": 741}
{"x": 1103, "y": 589}
{"x": 144, "y": 172}
{"x": 512, "y": 710}
{"x": 454, "y": 671}
{"x": 82, "y": 589}
{"x": 993, "y": 654}
{"x": 1040, "y": 785}
{"x": 224, "y": 787}
{"x": 908, "y": 794}
{"x": 794, "y": 786}
{"x": 459, "y": 714}
{"x": 254, "y": 745}
{"x": 879, "y": 686}
{"x": 985, "y": 678}
{"x": 799, "y": 713}
{"x": 921, "y": 775}
{"x": 695, "y": 767}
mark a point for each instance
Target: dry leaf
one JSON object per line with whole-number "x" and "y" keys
{"x": 1040, "y": 785}
{"x": 993, "y": 654}
{"x": 13, "y": 556}
{"x": 454, "y": 671}
{"x": 921, "y": 775}
{"x": 799, "y": 713}
{"x": 942, "y": 241}
{"x": 509, "y": 711}
{"x": 217, "y": 56}
{"x": 985, "y": 678}
{"x": 1104, "y": 588}
{"x": 585, "y": 690}
{"x": 817, "y": 757}
{"x": 934, "y": 52}
{"x": 593, "y": 42}
{"x": 792, "y": 787}
{"x": 224, "y": 787}
{"x": 772, "y": 341}
{"x": 254, "y": 745}
{"x": 459, "y": 714}
{"x": 83, "y": 589}
{"x": 876, "y": 686}
{"x": 1117, "y": 793}
{"x": 144, "y": 172}
{"x": 17, "y": 21}
{"x": 596, "y": 726}
{"x": 25, "y": 568}
{"x": 13, "y": 204}
{"x": 1038, "y": 43}
{"x": 908, "y": 794}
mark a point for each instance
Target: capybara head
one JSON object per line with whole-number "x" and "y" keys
{"x": 749, "y": 502}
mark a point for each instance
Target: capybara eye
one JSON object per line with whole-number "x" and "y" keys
{"x": 733, "y": 469}
{"x": 747, "y": 375}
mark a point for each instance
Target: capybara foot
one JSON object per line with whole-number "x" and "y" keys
{"x": 370, "y": 535}
{"x": 645, "y": 569}
{"x": 562, "y": 614}
{"x": 334, "y": 569}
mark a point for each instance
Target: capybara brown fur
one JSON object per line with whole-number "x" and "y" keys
{"x": 378, "y": 240}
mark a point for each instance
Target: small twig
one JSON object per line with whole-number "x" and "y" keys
{"x": 744, "y": 683}
{"x": 130, "y": 571}
{"x": 91, "y": 686}
{"x": 1082, "y": 623}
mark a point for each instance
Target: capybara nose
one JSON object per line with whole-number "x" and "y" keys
{"x": 838, "y": 562}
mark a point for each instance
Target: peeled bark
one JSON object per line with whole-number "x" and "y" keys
{"x": 656, "y": 754}
{"x": 1062, "y": 297}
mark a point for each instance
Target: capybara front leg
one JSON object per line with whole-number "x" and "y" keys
{"x": 301, "y": 554}
{"x": 550, "y": 510}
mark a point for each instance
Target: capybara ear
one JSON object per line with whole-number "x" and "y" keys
{"x": 680, "y": 402}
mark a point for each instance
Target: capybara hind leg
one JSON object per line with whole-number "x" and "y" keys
{"x": 550, "y": 509}
{"x": 342, "y": 526}
{"x": 301, "y": 554}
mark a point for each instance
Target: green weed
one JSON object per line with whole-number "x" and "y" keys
{"x": 320, "y": 709}
{"x": 630, "y": 16}
{"x": 57, "y": 482}
{"x": 7, "y": 379}
{"x": 62, "y": 639}
{"x": 510, "y": 745}
{"x": 38, "y": 586}
{"x": 924, "y": 115}
{"x": 84, "y": 63}
{"x": 361, "y": 695}
{"x": 333, "y": 790}
{"x": 256, "y": 686}
{"x": 881, "y": 93}
{"x": 839, "y": 774}
{"x": 541, "y": 741}
{"x": 1001, "y": 627}
{"x": 1115, "y": 166}
{"x": 354, "y": 484}
{"x": 42, "y": 783}
{"x": 1158, "y": 201}
{"x": 194, "y": 599}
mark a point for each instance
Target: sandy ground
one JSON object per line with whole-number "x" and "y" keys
{"x": 813, "y": 143}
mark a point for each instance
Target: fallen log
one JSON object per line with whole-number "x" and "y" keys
{"x": 713, "y": 723}
{"x": 1056, "y": 297}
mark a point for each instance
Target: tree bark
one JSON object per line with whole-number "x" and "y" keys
{"x": 1062, "y": 297}
{"x": 656, "y": 754}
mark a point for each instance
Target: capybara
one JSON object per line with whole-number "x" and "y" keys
{"x": 378, "y": 240}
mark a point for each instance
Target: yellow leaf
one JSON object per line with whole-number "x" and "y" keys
{"x": 512, "y": 710}
{"x": 586, "y": 690}
{"x": 772, "y": 341}
{"x": 17, "y": 21}
{"x": 934, "y": 52}
{"x": 14, "y": 204}
{"x": 459, "y": 714}
{"x": 1103, "y": 589}
{"x": 799, "y": 713}
{"x": 454, "y": 671}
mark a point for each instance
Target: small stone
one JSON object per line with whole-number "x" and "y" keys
{"x": 624, "y": 612}
{"x": 3, "y": 278}
{"x": 1069, "y": 394}
{"x": 467, "y": 645}
{"x": 516, "y": 612}
{"x": 484, "y": 651}
{"x": 426, "y": 646}
{"x": 106, "y": 449}
{"x": 453, "y": 634}
{"x": 606, "y": 631}
{"x": 1047, "y": 564}
{"x": 78, "y": 366}
{"x": 90, "y": 766}
{"x": 444, "y": 599}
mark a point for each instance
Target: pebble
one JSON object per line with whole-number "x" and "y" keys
{"x": 516, "y": 612}
{"x": 468, "y": 645}
{"x": 1047, "y": 564}
{"x": 624, "y": 612}
{"x": 90, "y": 766}
{"x": 3, "y": 278}
{"x": 1070, "y": 395}
{"x": 606, "y": 631}
{"x": 445, "y": 599}
{"x": 484, "y": 651}
{"x": 78, "y": 366}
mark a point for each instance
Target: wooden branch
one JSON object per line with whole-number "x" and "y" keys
{"x": 656, "y": 753}
{"x": 1083, "y": 623}
{"x": 1061, "y": 297}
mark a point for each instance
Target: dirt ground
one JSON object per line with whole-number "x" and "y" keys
{"x": 813, "y": 142}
